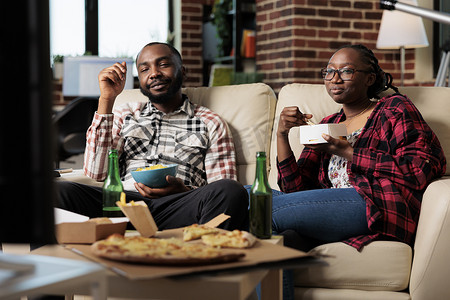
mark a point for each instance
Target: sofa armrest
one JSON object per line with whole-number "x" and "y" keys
{"x": 431, "y": 263}
{"x": 78, "y": 176}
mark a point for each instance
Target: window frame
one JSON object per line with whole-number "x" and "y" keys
{"x": 91, "y": 28}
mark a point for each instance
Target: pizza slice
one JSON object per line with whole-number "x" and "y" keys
{"x": 196, "y": 231}
{"x": 230, "y": 239}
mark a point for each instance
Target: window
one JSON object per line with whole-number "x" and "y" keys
{"x": 126, "y": 26}
{"x": 123, "y": 27}
{"x": 67, "y": 27}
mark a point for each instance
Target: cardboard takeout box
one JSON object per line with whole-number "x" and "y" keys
{"x": 140, "y": 216}
{"x": 312, "y": 134}
{"x": 86, "y": 232}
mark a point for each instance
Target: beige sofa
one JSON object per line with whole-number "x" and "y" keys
{"x": 383, "y": 270}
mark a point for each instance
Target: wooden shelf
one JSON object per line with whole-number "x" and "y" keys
{"x": 224, "y": 58}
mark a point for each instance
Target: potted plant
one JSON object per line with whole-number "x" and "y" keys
{"x": 58, "y": 66}
{"x": 220, "y": 12}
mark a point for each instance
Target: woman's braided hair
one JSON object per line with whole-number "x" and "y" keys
{"x": 383, "y": 80}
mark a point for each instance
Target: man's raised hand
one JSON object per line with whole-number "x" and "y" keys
{"x": 112, "y": 82}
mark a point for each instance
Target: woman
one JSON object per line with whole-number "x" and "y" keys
{"x": 369, "y": 186}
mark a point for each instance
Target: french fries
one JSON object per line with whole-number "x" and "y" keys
{"x": 123, "y": 199}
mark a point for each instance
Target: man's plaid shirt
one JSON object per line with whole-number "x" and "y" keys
{"x": 395, "y": 157}
{"x": 194, "y": 137}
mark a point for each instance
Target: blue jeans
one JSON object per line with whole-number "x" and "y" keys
{"x": 324, "y": 215}
{"x": 327, "y": 215}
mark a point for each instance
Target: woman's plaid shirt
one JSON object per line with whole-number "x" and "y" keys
{"x": 194, "y": 137}
{"x": 395, "y": 157}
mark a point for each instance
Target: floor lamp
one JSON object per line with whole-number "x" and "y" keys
{"x": 399, "y": 30}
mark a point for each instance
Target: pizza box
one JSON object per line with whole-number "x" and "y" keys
{"x": 73, "y": 228}
{"x": 263, "y": 255}
{"x": 312, "y": 134}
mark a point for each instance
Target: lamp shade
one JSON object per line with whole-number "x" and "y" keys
{"x": 401, "y": 30}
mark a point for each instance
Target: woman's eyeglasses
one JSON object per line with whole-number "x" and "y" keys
{"x": 346, "y": 74}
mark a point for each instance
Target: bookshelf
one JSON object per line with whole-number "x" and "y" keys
{"x": 241, "y": 19}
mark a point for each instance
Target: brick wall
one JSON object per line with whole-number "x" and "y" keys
{"x": 295, "y": 38}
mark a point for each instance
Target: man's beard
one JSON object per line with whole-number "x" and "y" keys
{"x": 173, "y": 89}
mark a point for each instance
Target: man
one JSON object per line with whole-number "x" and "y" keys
{"x": 167, "y": 129}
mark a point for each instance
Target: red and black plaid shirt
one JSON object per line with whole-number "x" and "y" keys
{"x": 395, "y": 158}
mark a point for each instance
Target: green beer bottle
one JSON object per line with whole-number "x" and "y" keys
{"x": 112, "y": 187}
{"x": 261, "y": 201}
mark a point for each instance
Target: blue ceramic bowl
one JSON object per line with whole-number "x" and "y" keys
{"x": 155, "y": 178}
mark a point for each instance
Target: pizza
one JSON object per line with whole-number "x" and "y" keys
{"x": 171, "y": 251}
{"x": 230, "y": 239}
{"x": 196, "y": 231}
{"x": 218, "y": 238}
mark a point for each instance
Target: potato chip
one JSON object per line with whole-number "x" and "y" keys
{"x": 154, "y": 167}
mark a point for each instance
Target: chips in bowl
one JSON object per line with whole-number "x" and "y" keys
{"x": 154, "y": 176}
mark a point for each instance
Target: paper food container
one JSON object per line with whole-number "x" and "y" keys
{"x": 140, "y": 216}
{"x": 312, "y": 134}
{"x": 86, "y": 232}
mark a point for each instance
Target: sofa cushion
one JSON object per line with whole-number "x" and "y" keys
{"x": 381, "y": 265}
{"x": 248, "y": 109}
{"x": 434, "y": 105}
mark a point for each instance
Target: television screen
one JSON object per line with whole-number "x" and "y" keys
{"x": 26, "y": 147}
{"x": 81, "y": 74}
